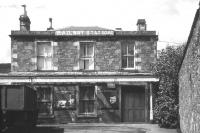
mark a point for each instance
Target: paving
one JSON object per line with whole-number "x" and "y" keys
{"x": 93, "y": 128}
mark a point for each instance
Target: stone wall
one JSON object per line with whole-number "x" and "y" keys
{"x": 145, "y": 55}
{"x": 23, "y": 55}
{"x": 66, "y": 54}
{"x": 189, "y": 85}
{"x": 107, "y": 55}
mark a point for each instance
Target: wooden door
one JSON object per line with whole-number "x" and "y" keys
{"x": 133, "y": 104}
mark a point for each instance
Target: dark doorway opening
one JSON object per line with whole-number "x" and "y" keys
{"x": 133, "y": 104}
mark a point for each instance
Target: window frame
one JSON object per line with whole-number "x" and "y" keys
{"x": 92, "y": 114}
{"x": 86, "y": 58}
{"x": 51, "y": 57}
{"x": 45, "y": 101}
{"x": 128, "y": 55}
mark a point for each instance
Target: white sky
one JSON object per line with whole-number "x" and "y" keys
{"x": 172, "y": 19}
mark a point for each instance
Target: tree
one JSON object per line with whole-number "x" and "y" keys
{"x": 166, "y": 100}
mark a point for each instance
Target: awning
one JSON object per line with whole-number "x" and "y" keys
{"x": 84, "y": 79}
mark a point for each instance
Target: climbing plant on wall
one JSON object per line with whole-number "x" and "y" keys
{"x": 166, "y": 100}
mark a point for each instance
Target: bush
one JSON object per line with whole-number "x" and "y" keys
{"x": 166, "y": 100}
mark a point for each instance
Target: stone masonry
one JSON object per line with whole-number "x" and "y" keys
{"x": 189, "y": 82}
{"x": 66, "y": 55}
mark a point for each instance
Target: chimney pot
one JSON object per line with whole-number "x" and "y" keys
{"x": 141, "y": 25}
{"x": 50, "y": 28}
{"x": 24, "y": 21}
{"x": 118, "y": 29}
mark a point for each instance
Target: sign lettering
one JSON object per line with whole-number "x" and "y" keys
{"x": 85, "y": 33}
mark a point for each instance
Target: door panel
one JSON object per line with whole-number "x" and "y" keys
{"x": 133, "y": 104}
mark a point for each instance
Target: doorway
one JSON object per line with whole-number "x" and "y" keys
{"x": 133, "y": 104}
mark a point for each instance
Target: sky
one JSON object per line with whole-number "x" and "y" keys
{"x": 171, "y": 19}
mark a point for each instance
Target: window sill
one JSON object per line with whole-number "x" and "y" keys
{"x": 83, "y": 70}
{"x": 91, "y": 115}
{"x": 46, "y": 70}
{"x": 129, "y": 68}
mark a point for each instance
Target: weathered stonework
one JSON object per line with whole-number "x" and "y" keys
{"x": 189, "y": 83}
{"x": 147, "y": 54}
{"x": 22, "y": 54}
{"x": 66, "y": 56}
{"x": 107, "y": 55}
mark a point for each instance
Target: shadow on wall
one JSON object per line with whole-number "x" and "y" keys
{"x": 108, "y": 114}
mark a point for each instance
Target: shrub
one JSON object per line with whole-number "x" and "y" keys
{"x": 166, "y": 100}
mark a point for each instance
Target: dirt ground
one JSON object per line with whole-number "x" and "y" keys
{"x": 92, "y": 128}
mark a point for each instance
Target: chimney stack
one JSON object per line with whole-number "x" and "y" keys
{"x": 118, "y": 29}
{"x": 141, "y": 25}
{"x": 24, "y": 21}
{"x": 50, "y": 28}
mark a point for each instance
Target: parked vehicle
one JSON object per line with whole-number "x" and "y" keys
{"x": 18, "y": 106}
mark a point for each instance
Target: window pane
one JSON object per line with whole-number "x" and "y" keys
{"x": 44, "y": 100}
{"x": 86, "y": 55}
{"x": 48, "y": 50}
{"x": 40, "y": 63}
{"x": 86, "y": 101}
{"x": 131, "y": 49}
{"x": 124, "y": 49}
{"x": 91, "y": 64}
{"x": 87, "y": 93}
{"x": 44, "y": 52}
{"x": 45, "y": 108}
{"x": 82, "y": 106}
{"x": 44, "y": 48}
{"x": 124, "y": 61}
{"x": 40, "y": 49}
{"x": 86, "y": 106}
{"x": 82, "y": 50}
{"x": 44, "y": 94}
{"x": 81, "y": 64}
{"x": 86, "y": 64}
{"x": 90, "y": 106}
{"x": 44, "y": 63}
{"x": 89, "y": 50}
{"x": 131, "y": 61}
{"x": 86, "y": 50}
{"x": 48, "y": 63}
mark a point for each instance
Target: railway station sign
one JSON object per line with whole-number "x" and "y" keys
{"x": 85, "y": 33}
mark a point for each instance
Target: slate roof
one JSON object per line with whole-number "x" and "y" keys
{"x": 136, "y": 33}
{"x": 85, "y": 28}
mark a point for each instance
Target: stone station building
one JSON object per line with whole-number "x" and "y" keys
{"x": 86, "y": 74}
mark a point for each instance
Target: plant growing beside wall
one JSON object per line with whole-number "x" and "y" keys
{"x": 166, "y": 98}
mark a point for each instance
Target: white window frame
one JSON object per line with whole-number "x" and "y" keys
{"x": 128, "y": 55}
{"x": 51, "y": 42}
{"x": 91, "y": 59}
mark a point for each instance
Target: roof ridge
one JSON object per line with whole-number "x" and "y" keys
{"x": 82, "y": 28}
